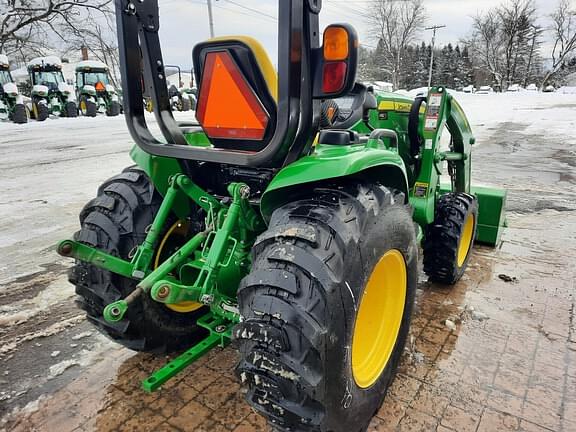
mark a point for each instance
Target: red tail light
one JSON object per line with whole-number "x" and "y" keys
{"x": 333, "y": 77}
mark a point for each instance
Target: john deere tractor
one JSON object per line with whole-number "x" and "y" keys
{"x": 288, "y": 218}
{"x": 179, "y": 100}
{"x": 94, "y": 90}
{"x": 50, "y": 92}
{"x": 11, "y": 101}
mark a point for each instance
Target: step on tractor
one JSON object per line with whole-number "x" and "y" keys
{"x": 287, "y": 219}
{"x": 94, "y": 90}
{"x": 12, "y": 106}
{"x": 50, "y": 93}
{"x": 179, "y": 100}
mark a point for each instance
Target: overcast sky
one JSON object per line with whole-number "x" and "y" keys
{"x": 185, "y": 22}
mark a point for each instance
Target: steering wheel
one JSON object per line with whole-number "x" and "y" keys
{"x": 413, "y": 127}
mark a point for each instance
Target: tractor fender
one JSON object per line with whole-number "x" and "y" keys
{"x": 329, "y": 163}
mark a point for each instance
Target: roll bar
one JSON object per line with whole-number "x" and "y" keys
{"x": 298, "y": 113}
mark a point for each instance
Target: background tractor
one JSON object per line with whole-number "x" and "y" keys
{"x": 12, "y": 105}
{"x": 179, "y": 100}
{"x": 94, "y": 90}
{"x": 50, "y": 93}
{"x": 288, "y": 218}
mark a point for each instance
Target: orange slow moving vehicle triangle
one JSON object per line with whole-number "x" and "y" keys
{"x": 228, "y": 107}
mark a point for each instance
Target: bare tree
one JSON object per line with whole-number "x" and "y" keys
{"x": 564, "y": 36}
{"x": 516, "y": 19}
{"x": 395, "y": 25}
{"x": 97, "y": 32}
{"x": 485, "y": 44}
{"x": 29, "y": 25}
{"x": 506, "y": 41}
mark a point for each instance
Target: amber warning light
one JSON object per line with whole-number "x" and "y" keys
{"x": 228, "y": 108}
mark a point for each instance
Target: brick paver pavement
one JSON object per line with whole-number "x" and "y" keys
{"x": 508, "y": 363}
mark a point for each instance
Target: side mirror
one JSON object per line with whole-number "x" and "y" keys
{"x": 336, "y": 66}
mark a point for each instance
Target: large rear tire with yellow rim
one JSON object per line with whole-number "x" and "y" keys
{"x": 449, "y": 239}
{"x": 116, "y": 221}
{"x": 326, "y": 308}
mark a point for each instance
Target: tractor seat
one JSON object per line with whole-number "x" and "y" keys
{"x": 237, "y": 93}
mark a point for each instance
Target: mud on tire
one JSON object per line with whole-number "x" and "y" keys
{"x": 443, "y": 237}
{"x": 300, "y": 300}
{"x": 116, "y": 222}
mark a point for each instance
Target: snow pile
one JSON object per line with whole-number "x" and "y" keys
{"x": 566, "y": 90}
{"x": 45, "y": 61}
{"x": 21, "y": 311}
{"x": 91, "y": 64}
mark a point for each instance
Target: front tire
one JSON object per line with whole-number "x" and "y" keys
{"x": 113, "y": 109}
{"x": 185, "y": 102}
{"x": 20, "y": 114}
{"x": 71, "y": 110}
{"x": 88, "y": 108}
{"x": 302, "y": 305}
{"x": 116, "y": 221}
{"x": 448, "y": 240}
{"x": 40, "y": 111}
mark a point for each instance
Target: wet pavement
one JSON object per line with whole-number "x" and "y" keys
{"x": 496, "y": 352}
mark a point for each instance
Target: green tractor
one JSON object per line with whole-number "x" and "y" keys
{"x": 179, "y": 100}
{"x": 287, "y": 219}
{"x": 12, "y": 105}
{"x": 50, "y": 93}
{"x": 94, "y": 90}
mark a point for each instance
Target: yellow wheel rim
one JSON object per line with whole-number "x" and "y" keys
{"x": 379, "y": 318}
{"x": 178, "y": 228}
{"x": 466, "y": 239}
{"x": 83, "y": 107}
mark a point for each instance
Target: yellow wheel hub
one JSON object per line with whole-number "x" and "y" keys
{"x": 379, "y": 318}
{"x": 178, "y": 229}
{"x": 466, "y": 239}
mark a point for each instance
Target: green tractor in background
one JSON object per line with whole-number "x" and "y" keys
{"x": 179, "y": 100}
{"x": 50, "y": 93}
{"x": 94, "y": 90}
{"x": 288, "y": 218}
{"x": 12, "y": 106}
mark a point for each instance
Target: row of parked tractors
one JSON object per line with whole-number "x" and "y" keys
{"x": 182, "y": 97}
{"x": 50, "y": 94}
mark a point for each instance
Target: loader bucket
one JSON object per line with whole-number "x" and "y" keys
{"x": 491, "y": 212}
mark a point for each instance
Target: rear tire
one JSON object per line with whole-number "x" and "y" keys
{"x": 113, "y": 109}
{"x": 447, "y": 247}
{"x": 185, "y": 102}
{"x": 40, "y": 111}
{"x": 301, "y": 300}
{"x": 116, "y": 222}
{"x": 20, "y": 115}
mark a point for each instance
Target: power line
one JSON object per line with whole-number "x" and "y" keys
{"x": 252, "y": 10}
{"x": 433, "y": 28}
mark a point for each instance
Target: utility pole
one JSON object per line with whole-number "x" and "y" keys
{"x": 210, "y": 18}
{"x": 433, "y": 28}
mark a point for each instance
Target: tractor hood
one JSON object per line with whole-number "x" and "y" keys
{"x": 42, "y": 90}
{"x": 65, "y": 88}
{"x": 10, "y": 89}
{"x": 89, "y": 89}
